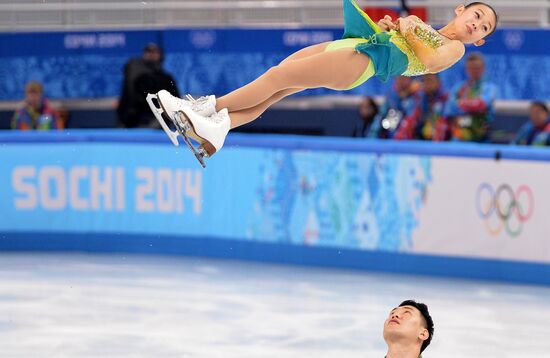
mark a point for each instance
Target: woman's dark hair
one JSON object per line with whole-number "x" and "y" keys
{"x": 541, "y": 105}
{"x": 427, "y": 318}
{"x": 490, "y": 7}
{"x": 373, "y": 104}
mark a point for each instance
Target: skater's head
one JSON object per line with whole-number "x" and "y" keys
{"x": 34, "y": 93}
{"x": 474, "y": 22}
{"x": 152, "y": 53}
{"x": 409, "y": 325}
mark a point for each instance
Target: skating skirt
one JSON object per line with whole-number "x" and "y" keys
{"x": 389, "y": 60}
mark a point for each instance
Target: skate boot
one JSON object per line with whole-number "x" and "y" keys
{"x": 185, "y": 115}
{"x": 165, "y": 102}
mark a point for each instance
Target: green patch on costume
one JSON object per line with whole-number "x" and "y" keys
{"x": 388, "y": 59}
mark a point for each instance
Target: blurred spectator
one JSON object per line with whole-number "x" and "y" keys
{"x": 141, "y": 76}
{"x": 537, "y": 130}
{"x": 402, "y": 104}
{"x": 470, "y": 108}
{"x": 35, "y": 112}
{"x": 431, "y": 124}
{"x": 368, "y": 109}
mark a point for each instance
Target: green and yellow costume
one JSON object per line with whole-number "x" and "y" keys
{"x": 389, "y": 51}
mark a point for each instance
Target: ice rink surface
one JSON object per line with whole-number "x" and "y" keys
{"x": 78, "y": 305}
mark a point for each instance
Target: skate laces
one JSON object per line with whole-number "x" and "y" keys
{"x": 201, "y": 99}
{"x": 218, "y": 117}
{"x": 198, "y": 104}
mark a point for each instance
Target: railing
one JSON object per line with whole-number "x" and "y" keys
{"x": 508, "y": 107}
{"x": 30, "y": 15}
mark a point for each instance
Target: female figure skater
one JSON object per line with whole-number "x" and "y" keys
{"x": 407, "y": 47}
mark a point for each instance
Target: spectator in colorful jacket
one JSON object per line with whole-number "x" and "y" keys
{"x": 431, "y": 124}
{"x": 537, "y": 131}
{"x": 36, "y": 112}
{"x": 402, "y": 105}
{"x": 470, "y": 109}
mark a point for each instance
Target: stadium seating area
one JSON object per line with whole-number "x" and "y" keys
{"x": 77, "y": 50}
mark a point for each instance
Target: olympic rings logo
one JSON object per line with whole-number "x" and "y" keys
{"x": 504, "y": 208}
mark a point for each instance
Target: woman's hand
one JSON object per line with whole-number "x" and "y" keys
{"x": 404, "y": 24}
{"x": 386, "y": 23}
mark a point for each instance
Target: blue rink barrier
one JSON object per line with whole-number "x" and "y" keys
{"x": 334, "y": 202}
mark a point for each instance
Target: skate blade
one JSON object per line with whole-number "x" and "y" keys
{"x": 185, "y": 124}
{"x": 162, "y": 117}
{"x": 186, "y": 129}
{"x": 199, "y": 154}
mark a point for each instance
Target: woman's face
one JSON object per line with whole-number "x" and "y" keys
{"x": 474, "y": 23}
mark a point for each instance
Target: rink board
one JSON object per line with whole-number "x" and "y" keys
{"x": 466, "y": 210}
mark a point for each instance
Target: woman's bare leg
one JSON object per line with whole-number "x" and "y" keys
{"x": 306, "y": 52}
{"x": 245, "y": 116}
{"x": 334, "y": 69}
{"x": 238, "y": 118}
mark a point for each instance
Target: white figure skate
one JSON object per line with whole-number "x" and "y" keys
{"x": 196, "y": 119}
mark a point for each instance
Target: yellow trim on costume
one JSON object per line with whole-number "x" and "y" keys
{"x": 351, "y": 43}
{"x": 369, "y": 72}
{"x": 344, "y": 43}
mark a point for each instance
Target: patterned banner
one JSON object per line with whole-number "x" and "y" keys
{"x": 285, "y": 196}
{"x": 90, "y": 64}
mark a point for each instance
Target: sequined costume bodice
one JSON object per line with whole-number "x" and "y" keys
{"x": 425, "y": 33}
